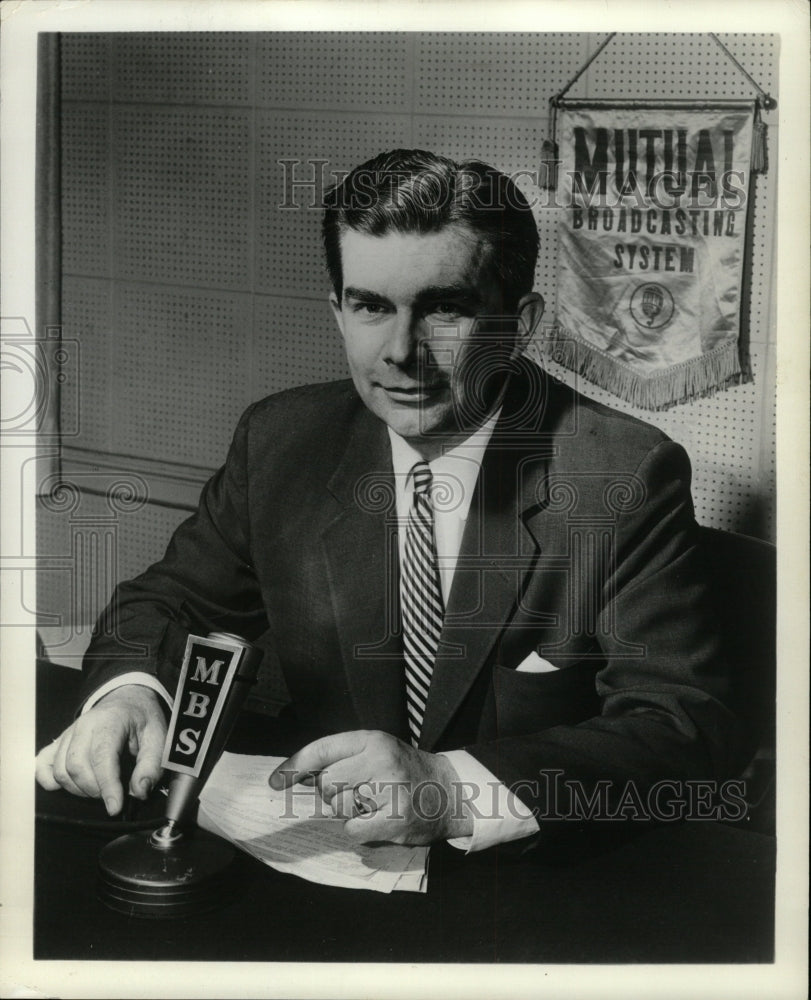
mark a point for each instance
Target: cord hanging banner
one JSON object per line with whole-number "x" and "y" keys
{"x": 652, "y": 233}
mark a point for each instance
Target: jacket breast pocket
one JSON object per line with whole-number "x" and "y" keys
{"x": 530, "y": 702}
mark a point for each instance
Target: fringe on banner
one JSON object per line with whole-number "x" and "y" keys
{"x": 548, "y": 172}
{"x": 759, "y": 161}
{"x": 682, "y": 383}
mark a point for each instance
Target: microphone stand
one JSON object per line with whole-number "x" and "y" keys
{"x": 175, "y": 870}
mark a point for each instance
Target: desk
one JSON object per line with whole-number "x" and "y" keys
{"x": 691, "y": 892}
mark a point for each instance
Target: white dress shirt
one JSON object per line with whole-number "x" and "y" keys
{"x": 499, "y": 815}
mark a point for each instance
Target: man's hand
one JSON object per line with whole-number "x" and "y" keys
{"x": 382, "y": 787}
{"x": 85, "y": 759}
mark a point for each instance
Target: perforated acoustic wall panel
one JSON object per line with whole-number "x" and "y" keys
{"x": 730, "y": 490}
{"x": 85, "y": 190}
{"x": 182, "y": 68}
{"x": 87, "y": 319}
{"x": 192, "y": 258}
{"x": 761, "y": 257}
{"x": 297, "y": 341}
{"x": 299, "y": 156}
{"x": 332, "y": 70}
{"x": 181, "y": 184}
{"x": 166, "y": 341}
{"x": 84, "y": 546}
{"x": 682, "y": 65}
{"x": 512, "y": 145}
{"x": 86, "y": 63}
{"x": 501, "y": 74}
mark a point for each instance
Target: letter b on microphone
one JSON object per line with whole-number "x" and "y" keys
{"x": 205, "y": 679}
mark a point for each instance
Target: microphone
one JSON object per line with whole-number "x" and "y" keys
{"x": 177, "y": 869}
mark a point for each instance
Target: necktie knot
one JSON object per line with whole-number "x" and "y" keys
{"x": 421, "y": 474}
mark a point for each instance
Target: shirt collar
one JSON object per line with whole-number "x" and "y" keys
{"x": 463, "y": 461}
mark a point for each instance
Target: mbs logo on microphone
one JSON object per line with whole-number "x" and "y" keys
{"x": 205, "y": 679}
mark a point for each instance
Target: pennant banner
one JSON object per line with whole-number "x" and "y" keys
{"x": 651, "y": 248}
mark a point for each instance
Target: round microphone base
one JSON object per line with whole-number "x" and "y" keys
{"x": 149, "y": 875}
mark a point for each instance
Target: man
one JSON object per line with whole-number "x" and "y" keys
{"x": 473, "y": 578}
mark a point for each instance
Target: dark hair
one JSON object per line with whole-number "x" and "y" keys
{"x": 414, "y": 191}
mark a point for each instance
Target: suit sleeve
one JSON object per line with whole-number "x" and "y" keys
{"x": 662, "y": 691}
{"x": 204, "y": 582}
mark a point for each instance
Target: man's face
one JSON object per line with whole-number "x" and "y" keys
{"x": 408, "y": 316}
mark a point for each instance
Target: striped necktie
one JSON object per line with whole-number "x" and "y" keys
{"x": 421, "y": 599}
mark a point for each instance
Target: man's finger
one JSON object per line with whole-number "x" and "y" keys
{"x": 105, "y": 760}
{"x": 60, "y": 765}
{"x": 147, "y": 768}
{"x": 44, "y": 770}
{"x": 316, "y": 756}
{"x": 341, "y": 775}
{"x": 343, "y": 804}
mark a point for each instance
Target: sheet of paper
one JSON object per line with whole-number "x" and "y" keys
{"x": 293, "y": 831}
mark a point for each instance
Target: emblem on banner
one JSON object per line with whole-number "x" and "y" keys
{"x": 652, "y": 306}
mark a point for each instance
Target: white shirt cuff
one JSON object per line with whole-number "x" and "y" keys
{"x": 498, "y": 815}
{"x": 139, "y": 677}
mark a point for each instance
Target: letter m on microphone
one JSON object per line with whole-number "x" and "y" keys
{"x": 205, "y": 679}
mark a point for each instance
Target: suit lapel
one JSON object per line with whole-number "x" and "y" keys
{"x": 499, "y": 548}
{"x": 502, "y": 540}
{"x": 360, "y": 545}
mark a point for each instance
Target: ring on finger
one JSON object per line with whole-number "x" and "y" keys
{"x": 362, "y": 805}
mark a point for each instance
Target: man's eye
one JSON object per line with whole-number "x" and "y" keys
{"x": 446, "y": 309}
{"x": 370, "y": 308}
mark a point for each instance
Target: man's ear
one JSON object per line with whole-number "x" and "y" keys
{"x": 530, "y": 312}
{"x": 337, "y": 312}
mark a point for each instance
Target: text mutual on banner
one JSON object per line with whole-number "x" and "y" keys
{"x": 651, "y": 246}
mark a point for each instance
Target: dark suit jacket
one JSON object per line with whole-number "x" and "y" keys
{"x": 580, "y": 545}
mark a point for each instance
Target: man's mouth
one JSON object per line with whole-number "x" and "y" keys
{"x": 413, "y": 393}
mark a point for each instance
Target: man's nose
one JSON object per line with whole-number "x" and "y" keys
{"x": 403, "y": 343}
